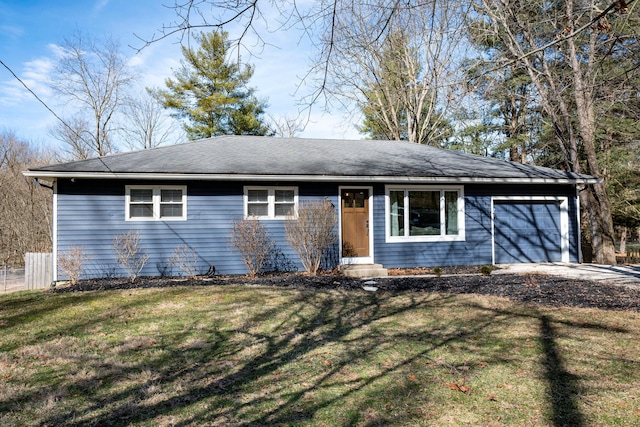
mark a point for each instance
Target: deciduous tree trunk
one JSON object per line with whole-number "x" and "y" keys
{"x": 623, "y": 240}
{"x": 599, "y": 208}
{"x": 565, "y": 80}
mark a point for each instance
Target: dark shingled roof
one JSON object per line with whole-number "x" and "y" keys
{"x": 270, "y": 156}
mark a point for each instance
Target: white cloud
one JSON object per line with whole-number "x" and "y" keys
{"x": 35, "y": 75}
{"x": 99, "y": 5}
{"x": 136, "y": 61}
{"x": 19, "y": 109}
{"x": 279, "y": 65}
{"x": 57, "y": 50}
{"x": 11, "y": 31}
{"x": 156, "y": 62}
{"x": 39, "y": 69}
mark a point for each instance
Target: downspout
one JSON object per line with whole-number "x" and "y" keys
{"x": 39, "y": 184}
{"x": 54, "y": 226}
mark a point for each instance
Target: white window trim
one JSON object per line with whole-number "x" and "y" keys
{"x": 271, "y": 202}
{"x": 156, "y": 202}
{"x": 439, "y": 238}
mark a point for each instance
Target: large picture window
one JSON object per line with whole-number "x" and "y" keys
{"x": 270, "y": 202}
{"x": 425, "y": 213}
{"x": 155, "y": 203}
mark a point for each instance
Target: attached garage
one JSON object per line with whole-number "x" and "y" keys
{"x": 398, "y": 204}
{"x": 529, "y": 230}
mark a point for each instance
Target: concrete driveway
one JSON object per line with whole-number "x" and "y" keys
{"x": 628, "y": 275}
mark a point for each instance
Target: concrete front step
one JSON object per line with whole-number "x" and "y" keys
{"x": 364, "y": 270}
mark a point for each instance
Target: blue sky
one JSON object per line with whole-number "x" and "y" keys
{"x": 31, "y": 29}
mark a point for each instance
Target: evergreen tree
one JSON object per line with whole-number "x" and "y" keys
{"x": 572, "y": 53}
{"x": 210, "y": 93}
{"x": 513, "y": 112}
{"x": 475, "y": 133}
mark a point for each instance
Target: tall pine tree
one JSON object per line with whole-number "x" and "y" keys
{"x": 209, "y": 93}
{"x": 575, "y": 54}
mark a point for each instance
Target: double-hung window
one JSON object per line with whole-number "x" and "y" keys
{"x": 424, "y": 213}
{"x": 155, "y": 203}
{"x": 270, "y": 202}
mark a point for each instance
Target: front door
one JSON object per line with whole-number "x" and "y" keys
{"x": 355, "y": 222}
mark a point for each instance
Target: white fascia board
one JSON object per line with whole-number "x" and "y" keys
{"x": 317, "y": 178}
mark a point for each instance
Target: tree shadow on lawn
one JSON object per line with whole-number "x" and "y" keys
{"x": 563, "y": 387}
{"x": 211, "y": 384}
{"x": 564, "y": 390}
{"x": 50, "y": 305}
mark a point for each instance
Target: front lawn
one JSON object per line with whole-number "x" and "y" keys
{"x": 252, "y": 355}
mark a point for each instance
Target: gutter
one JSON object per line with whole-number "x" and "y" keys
{"x": 316, "y": 178}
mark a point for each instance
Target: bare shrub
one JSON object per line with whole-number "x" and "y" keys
{"x": 253, "y": 242}
{"x": 311, "y": 232}
{"x": 72, "y": 261}
{"x": 129, "y": 253}
{"x": 185, "y": 259}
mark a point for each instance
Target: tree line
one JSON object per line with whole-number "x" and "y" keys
{"x": 25, "y": 206}
{"x": 546, "y": 83}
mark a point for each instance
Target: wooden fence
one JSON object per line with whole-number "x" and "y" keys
{"x": 633, "y": 256}
{"x": 38, "y": 270}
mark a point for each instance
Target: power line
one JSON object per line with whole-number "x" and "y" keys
{"x": 48, "y": 108}
{"x": 37, "y": 97}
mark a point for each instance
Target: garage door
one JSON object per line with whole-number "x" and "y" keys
{"x": 527, "y": 232}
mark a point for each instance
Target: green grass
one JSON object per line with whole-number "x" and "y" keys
{"x": 244, "y": 355}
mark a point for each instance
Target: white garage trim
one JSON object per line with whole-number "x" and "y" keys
{"x": 564, "y": 220}
{"x": 579, "y": 225}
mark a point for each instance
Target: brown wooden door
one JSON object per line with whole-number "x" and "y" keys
{"x": 355, "y": 222}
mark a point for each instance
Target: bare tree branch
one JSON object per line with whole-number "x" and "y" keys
{"x": 92, "y": 78}
{"x": 147, "y": 125}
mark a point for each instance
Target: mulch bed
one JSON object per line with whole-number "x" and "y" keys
{"x": 538, "y": 289}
